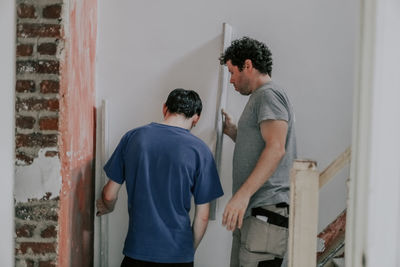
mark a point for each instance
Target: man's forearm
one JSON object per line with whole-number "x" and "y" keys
{"x": 200, "y": 223}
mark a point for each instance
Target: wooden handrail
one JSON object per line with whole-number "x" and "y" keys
{"x": 334, "y": 167}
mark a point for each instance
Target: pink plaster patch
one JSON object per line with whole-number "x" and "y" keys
{"x": 77, "y": 140}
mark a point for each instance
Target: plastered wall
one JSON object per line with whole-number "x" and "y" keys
{"x": 78, "y": 135}
{"x": 146, "y": 49}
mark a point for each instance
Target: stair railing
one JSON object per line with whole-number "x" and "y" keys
{"x": 305, "y": 182}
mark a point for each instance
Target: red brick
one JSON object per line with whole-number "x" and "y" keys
{"x": 23, "y": 157}
{"x": 38, "y": 30}
{"x": 41, "y": 66}
{"x": 48, "y": 87}
{"x": 47, "y": 48}
{"x": 53, "y": 104}
{"x": 36, "y": 140}
{"x": 48, "y": 66}
{"x": 26, "y": 11}
{"x": 34, "y": 104}
{"x": 49, "y": 232}
{"x": 25, "y": 86}
{"x": 52, "y": 12}
{"x": 25, "y": 230}
{"x": 24, "y": 122}
{"x": 47, "y": 264}
{"x": 27, "y": 66}
{"x": 51, "y": 154}
{"x": 36, "y": 247}
{"x": 24, "y": 50}
{"x": 48, "y": 123}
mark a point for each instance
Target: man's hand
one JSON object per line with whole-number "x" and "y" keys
{"x": 234, "y": 211}
{"x": 229, "y": 127}
{"x": 102, "y": 208}
{"x": 109, "y": 195}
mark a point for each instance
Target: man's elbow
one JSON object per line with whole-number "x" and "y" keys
{"x": 279, "y": 151}
{"x": 282, "y": 152}
{"x": 204, "y": 217}
{"x": 203, "y": 213}
{"x": 109, "y": 197}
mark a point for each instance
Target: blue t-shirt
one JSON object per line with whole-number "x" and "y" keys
{"x": 163, "y": 166}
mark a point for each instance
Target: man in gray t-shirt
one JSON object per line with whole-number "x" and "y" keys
{"x": 264, "y": 152}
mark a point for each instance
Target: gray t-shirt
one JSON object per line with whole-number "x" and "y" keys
{"x": 268, "y": 102}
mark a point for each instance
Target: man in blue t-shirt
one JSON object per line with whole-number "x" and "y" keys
{"x": 163, "y": 166}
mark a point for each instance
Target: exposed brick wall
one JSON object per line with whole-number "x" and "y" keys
{"x": 39, "y": 46}
{"x": 36, "y": 228}
{"x": 55, "y": 132}
{"x": 38, "y": 50}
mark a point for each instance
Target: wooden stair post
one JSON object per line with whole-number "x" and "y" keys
{"x": 303, "y": 217}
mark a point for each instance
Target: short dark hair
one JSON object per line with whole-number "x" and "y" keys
{"x": 248, "y": 48}
{"x": 186, "y": 102}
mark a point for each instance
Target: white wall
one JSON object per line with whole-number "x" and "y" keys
{"x": 147, "y": 48}
{"x": 372, "y": 235}
{"x": 7, "y": 84}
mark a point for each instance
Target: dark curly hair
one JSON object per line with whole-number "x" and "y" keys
{"x": 248, "y": 48}
{"x": 186, "y": 102}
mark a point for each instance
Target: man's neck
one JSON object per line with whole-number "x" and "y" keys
{"x": 177, "y": 120}
{"x": 260, "y": 80}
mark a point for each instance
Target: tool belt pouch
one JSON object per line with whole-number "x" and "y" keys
{"x": 264, "y": 237}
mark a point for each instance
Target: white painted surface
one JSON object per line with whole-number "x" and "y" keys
{"x": 148, "y": 48}
{"x": 376, "y": 190}
{"x": 7, "y": 85}
{"x": 39, "y": 178}
{"x": 383, "y": 247}
{"x": 372, "y": 234}
{"x": 101, "y": 223}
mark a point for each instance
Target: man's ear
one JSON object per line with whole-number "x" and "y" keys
{"x": 248, "y": 64}
{"x": 195, "y": 119}
{"x": 164, "y": 110}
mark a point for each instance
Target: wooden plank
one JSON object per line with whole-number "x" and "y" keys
{"x": 303, "y": 222}
{"x": 227, "y": 37}
{"x": 335, "y": 167}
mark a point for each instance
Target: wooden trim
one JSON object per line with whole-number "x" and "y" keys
{"x": 224, "y": 82}
{"x": 334, "y": 167}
